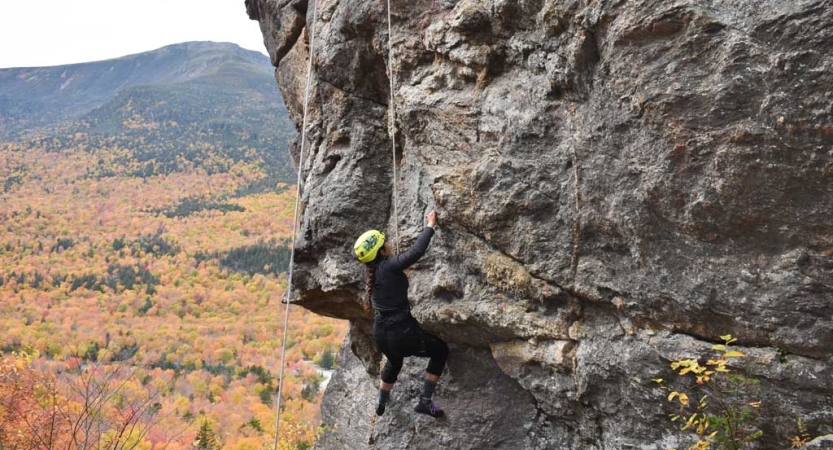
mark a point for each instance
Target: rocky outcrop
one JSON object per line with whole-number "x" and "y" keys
{"x": 619, "y": 182}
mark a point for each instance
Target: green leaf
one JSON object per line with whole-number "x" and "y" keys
{"x": 728, "y": 339}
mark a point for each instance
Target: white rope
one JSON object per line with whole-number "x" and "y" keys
{"x": 371, "y": 441}
{"x": 298, "y": 187}
{"x": 392, "y": 133}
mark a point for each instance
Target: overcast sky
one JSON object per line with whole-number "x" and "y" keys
{"x": 56, "y": 32}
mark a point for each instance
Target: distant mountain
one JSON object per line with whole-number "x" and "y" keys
{"x": 197, "y": 101}
{"x": 44, "y": 95}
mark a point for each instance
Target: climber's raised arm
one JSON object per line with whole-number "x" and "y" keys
{"x": 404, "y": 260}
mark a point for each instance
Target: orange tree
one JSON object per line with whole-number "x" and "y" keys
{"x": 27, "y": 401}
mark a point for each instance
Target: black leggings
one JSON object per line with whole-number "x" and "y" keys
{"x": 400, "y": 336}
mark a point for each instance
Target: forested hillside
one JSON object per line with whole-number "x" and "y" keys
{"x": 142, "y": 260}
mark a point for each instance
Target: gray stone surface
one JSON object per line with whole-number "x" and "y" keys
{"x": 821, "y": 442}
{"x": 618, "y": 183}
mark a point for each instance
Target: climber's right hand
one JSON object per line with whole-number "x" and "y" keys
{"x": 432, "y": 218}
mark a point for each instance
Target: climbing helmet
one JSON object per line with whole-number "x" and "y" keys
{"x": 368, "y": 245}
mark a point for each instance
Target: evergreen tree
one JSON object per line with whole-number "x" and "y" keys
{"x": 308, "y": 393}
{"x": 266, "y": 397}
{"x": 92, "y": 352}
{"x": 206, "y": 439}
{"x": 328, "y": 361}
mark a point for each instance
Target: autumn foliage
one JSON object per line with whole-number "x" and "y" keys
{"x": 100, "y": 407}
{"x": 25, "y": 398}
{"x": 157, "y": 295}
{"x": 716, "y": 404}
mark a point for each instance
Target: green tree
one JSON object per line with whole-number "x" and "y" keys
{"x": 254, "y": 423}
{"x": 266, "y": 396}
{"x": 206, "y": 439}
{"x": 92, "y": 352}
{"x": 328, "y": 361}
{"x": 308, "y": 393}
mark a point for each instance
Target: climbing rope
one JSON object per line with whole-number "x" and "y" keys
{"x": 371, "y": 439}
{"x": 295, "y": 222}
{"x": 392, "y": 133}
{"x": 298, "y": 186}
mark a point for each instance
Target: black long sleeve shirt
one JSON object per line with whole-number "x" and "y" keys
{"x": 390, "y": 284}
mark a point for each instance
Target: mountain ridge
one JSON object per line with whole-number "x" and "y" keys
{"x": 43, "y": 96}
{"x": 129, "y": 55}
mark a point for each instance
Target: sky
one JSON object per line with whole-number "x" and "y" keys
{"x": 57, "y": 32}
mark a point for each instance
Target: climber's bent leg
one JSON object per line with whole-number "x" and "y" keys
{"x": 392, "y": 369}
{"x": 437, "y": 350}
{"x": 389, "y": 375}
{"x": 425, "y": 404}
{"x": 384, "y": 396}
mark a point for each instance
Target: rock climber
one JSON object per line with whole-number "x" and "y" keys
{"x": 396, "y": 332}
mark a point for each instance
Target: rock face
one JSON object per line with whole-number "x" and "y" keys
{"x": 619, "y": 182}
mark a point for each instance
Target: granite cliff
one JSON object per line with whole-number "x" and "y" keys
{"x": 619, "y": 182}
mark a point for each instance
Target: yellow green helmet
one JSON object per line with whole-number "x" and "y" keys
{"x": 368, "y": 245}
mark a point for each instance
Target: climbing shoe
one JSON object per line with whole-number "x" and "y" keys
{"x": 384, "y": 396}
{"x": 427, "y": 406}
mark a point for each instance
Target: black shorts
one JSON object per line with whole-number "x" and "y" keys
{"x": 398, "y": 336}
